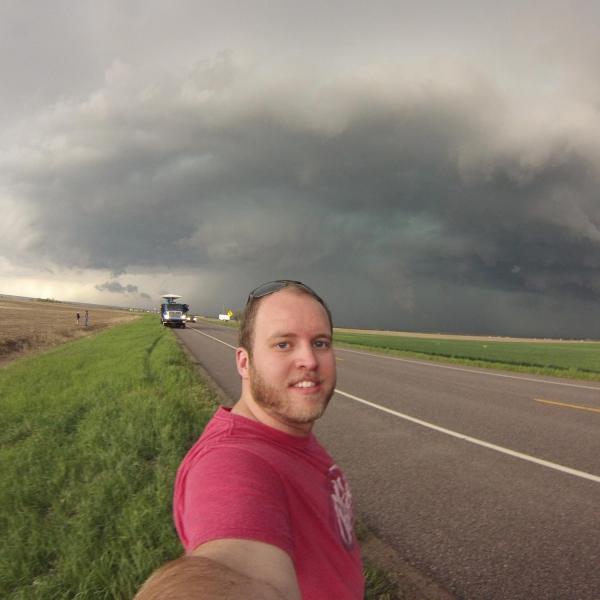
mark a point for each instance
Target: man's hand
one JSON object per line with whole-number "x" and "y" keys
{"x": 225, "y": 570}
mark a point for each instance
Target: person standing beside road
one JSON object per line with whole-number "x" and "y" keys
{"x": 87, "y": 316}
{"x": 261, "y": 508}
{"x": 77, "y": 318}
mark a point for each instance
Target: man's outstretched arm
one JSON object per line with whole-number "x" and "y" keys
{"x": 223, "y": 570}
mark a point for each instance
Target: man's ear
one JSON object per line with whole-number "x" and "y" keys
{"x": 242, "y": 362}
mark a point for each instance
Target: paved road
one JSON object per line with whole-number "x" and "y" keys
{"x": 492, "y": 491}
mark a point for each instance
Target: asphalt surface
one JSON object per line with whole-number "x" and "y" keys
{"x": 501, "y": 501}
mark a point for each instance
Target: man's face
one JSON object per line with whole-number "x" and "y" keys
{"x": 292, "y": 369}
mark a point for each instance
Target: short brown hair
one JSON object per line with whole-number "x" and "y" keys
{"x": 246, "y": 335}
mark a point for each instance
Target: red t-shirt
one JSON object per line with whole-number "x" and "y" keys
{"x": 245, "y": 480}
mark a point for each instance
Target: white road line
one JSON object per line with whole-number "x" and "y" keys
{"x": 460, "y": 436}
{"x": 214, "y": 338}
{"x": 471, "y": 440}
{"x": 477, "y": 372}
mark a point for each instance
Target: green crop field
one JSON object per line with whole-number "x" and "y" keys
{"x": 576, "y": 360}
{"x": 91, "y": 435}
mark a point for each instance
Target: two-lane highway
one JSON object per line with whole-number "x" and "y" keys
{"x": 487, "y": 482}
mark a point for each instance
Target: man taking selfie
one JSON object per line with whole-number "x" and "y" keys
{"x": 260, "y": 507}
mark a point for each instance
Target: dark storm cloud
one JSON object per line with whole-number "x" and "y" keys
{"x": 116, "y": 288}
{"x": 405, "y": 186}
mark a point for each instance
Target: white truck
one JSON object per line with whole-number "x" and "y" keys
{"x": 173, "y": 313}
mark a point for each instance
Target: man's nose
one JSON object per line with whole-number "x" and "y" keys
{"x": 306, "y": 357}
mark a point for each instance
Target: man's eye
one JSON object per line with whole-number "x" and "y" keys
{"x": 282, "y": 345}
{"x": 322, "y": 344}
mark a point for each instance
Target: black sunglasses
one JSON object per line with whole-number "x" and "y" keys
{"x": 274, "y": 286}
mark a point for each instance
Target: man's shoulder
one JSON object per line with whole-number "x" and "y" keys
{"x": 218, "y": 425}
{"x": 223, "y": 446}
{"x": 233, "y": 455}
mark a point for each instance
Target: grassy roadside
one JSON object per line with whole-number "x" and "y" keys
{"x": 91, "y": 434}
{"x": 230, "y": 324}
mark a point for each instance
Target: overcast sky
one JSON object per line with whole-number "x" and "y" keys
{"x": 425, "y": 166}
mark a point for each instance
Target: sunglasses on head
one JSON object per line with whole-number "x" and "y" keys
{"x": 274, "y": 286}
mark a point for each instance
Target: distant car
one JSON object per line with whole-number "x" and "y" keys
{"x": 224, "y": 317}
{"x": 194, "y": 319}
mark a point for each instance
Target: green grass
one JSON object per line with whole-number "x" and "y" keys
{"x": 91, "y": 434}
{"x": 574, "y": 360}
{"x": 231, "y": 324}
{"x": 378, "y": 584}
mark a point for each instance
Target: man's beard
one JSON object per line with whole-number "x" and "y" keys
{"x": 277, "y": 402}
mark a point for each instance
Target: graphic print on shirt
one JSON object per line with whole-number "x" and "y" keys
{"x": 342, "y": 505}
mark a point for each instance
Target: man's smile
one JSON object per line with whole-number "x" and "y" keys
{"x": 306, "y": 383}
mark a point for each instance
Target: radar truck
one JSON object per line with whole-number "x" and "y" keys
{"x": 173, "y": 313}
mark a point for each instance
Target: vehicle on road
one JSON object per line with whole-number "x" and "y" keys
{"x": 173, "y": 313}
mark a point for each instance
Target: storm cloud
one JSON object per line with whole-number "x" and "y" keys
{"x": 116, "y": 288}
{"x": 413, "y": 194}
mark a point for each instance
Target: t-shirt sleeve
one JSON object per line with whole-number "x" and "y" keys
{"x": 231, "y": 493}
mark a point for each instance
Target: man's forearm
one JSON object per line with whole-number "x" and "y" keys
{"x": 200, "y": 578}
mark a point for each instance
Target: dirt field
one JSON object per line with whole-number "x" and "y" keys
{"x": 28, "y": 326}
